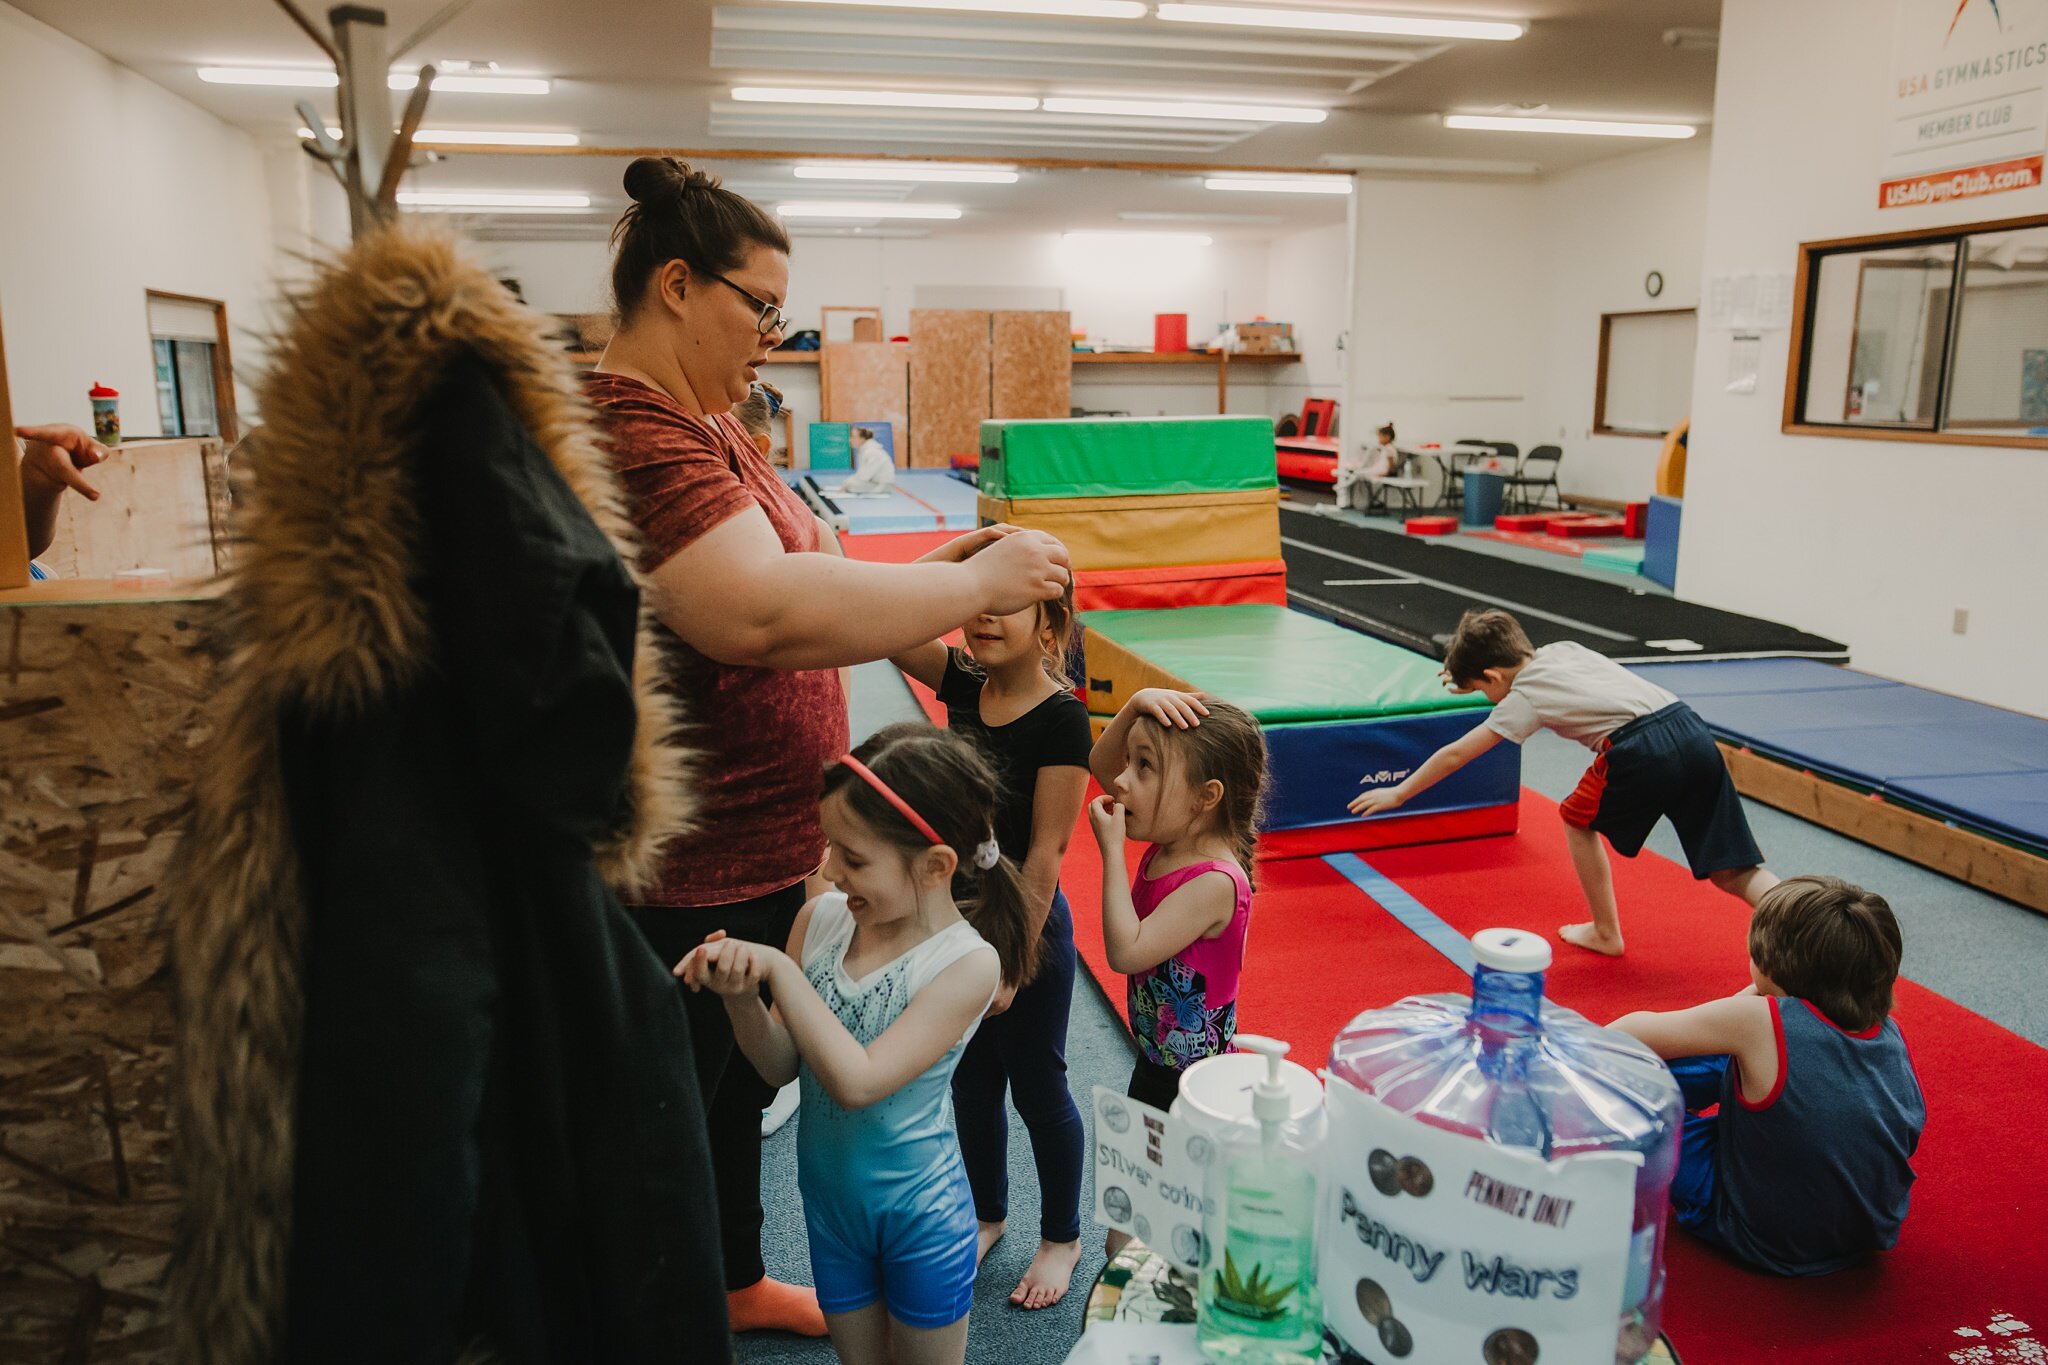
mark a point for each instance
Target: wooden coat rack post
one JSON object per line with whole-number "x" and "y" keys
{"x": 13, "y": 522}
{"x": 369, "y": 159}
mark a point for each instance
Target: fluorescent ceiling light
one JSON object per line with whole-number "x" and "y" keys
{"x": 1113, "y": 238}
{"x": 269, "y": 75}
{"x": 503, "y": 209}
{"x": 491, "y": 199}
{"x": 910, "y": 172}
{"x": 1153, "y": 216}
{"x": 475, "y": 85}
{"x": 1586, "y": 126}
{"x": 1298, "y": 184}
{"x": 311, "y": 79}
{"x": 1065, "y": 9}
{"x": 881, "y": 99}
{"x": 477, "y": 137}
{"x": 854, "y": 209}
{"x": 1189, "y": 109}
{"x": 1338, "y": 21}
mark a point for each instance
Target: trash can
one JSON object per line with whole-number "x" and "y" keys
{"x": 1483, "y": 493}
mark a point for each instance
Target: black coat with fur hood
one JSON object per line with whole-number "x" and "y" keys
{"x": 436, "y": 1094}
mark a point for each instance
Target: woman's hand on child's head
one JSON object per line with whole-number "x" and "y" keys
{"x": 1373, "y": 802}
{"x": 1179, "y": 710}
{"x": 965, "y": 547}
{"x": 1106, "y": 818}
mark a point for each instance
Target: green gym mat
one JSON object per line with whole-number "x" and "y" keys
{"x": 1279, "y": 664}
{"x": 1621, "y": 559}
{"x": 1109, "y": 457}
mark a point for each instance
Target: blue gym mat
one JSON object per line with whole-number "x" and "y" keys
{"x": 1978, "y": 766}
{"x": 921, "y": 500}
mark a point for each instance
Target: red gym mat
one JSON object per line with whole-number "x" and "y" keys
{"x": 896, "y": 549}
{"x": 1970, "y": 1267}
{"x": 1533, "y": 540}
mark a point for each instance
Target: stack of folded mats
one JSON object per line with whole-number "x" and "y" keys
{"x": 1156, "y": 512}
{"x": 1336, "y": 706}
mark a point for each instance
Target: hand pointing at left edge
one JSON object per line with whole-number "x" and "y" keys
{"x": 52, "y": 457}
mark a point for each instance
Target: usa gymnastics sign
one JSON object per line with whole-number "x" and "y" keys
{"x": 1968, "y": 108}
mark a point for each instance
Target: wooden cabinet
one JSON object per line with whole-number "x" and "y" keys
{"x": 967, "y": 365}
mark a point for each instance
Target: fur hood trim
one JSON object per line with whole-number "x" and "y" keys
{"x": 321, "y": 615}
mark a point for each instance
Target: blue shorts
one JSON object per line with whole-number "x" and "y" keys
{"x": 1699, "y": 1174}
{"x": 918, "y": 1261}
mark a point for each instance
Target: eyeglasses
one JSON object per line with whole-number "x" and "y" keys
{"x": 771, "y": 319}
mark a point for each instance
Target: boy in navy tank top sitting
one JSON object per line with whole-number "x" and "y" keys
{"x": 1805, "y": 1167}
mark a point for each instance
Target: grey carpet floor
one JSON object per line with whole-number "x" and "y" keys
{"x": 1979, "y": 951}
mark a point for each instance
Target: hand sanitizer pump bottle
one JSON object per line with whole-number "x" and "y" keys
{"x": 1258, "y": 1301}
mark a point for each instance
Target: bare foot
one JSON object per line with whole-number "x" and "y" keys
{"x": 985, "y": 1239}
{"x": 1591, "y": 939}
{"x": 1050, "y": 1275}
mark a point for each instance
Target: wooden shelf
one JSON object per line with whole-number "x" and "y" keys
{"x": 1177, "y": 358}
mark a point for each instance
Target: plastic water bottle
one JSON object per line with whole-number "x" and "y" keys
{"x": 1500, "y": 1169}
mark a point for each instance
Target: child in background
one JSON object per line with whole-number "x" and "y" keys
{"x": 874, "y": 469}
{"x": 1653, "y": 757}
{"x": 1008, "y": 691}
{"x": 884, "y": 983}
{"x": 1359, "y": 471}
{"x": 1186, "y": 774}
{"x": 1805, "y": 1168}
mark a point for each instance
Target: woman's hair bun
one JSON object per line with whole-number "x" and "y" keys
{"x": 653, "y": 179}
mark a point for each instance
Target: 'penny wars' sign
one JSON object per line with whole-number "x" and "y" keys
{"x": 1968, "y": 106}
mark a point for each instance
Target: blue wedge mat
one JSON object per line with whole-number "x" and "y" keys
{"x": 920, "y": 500}
{"x": 1315, "y": 767}
{"x": 1976, "y": 765}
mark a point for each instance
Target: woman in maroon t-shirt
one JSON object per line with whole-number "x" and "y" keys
{"x": 761, "y": 624}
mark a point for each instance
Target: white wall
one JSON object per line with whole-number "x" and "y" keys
{"x": 1604, "y": 228}
{"x": 114, "y": 187}
{"x": 1447, "y": 294}
{"x": 1874, "y": 542}
{"x": 1308, "y": 284}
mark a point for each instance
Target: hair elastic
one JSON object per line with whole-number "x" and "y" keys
{"x": 867, "y": 775}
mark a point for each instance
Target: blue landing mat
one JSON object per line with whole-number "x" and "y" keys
{"x": 921, "y": 500}
{"x": 1975, "y": 765}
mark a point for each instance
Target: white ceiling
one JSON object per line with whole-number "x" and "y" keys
{"x": 633, "y": 73}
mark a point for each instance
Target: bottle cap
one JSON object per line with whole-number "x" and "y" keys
{"x": 1272, "y": 1102}
{"x": 1510, "y": 950}
{"x": 99, "y": 390}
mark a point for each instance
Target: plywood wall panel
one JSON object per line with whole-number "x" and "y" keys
{"x": 156, "y": 510}
{"x": 868, "y": 381}
{"x": 102, "y": 714}
{"x": 1032, "y": 371}
{"x": 949, "y": 382}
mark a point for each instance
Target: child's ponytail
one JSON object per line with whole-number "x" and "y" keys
{"x": 1001, "y": 913}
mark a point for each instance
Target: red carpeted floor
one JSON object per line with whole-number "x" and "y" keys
{"x": 1971, "y": 1268}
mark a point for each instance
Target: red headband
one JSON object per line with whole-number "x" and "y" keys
{"x": 917, "y": 822}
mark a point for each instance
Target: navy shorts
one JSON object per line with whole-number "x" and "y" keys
{"x": 1665, "y": 765}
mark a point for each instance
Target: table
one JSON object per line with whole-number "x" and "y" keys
{"x": 1138, "y": 1287}
{"x": 1447, "y": 458}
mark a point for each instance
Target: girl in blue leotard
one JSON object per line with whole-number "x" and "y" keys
{"x": 884, "y": 982}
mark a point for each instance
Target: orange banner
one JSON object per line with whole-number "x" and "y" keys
{"x": 1968, "y": 183}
